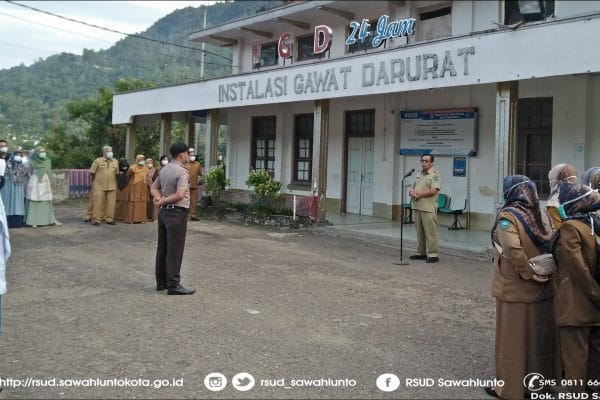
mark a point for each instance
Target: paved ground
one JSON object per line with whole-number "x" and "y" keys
{"x": 281, "y": 305}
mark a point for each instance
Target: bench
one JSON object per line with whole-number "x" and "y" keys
{"x": 444, "y": 207}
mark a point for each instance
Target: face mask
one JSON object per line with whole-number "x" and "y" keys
{"x": 150, "y": 165}
{"x": 17, "y": 158}
{"x": 561, "y": 207}
{"x": 109, "y": 155}
{"x": 192, "y": 158}
{"x": 3, "y": 149}
{"x": 141, "y": 162}
{"x": 164, "y": 162}
{"x": 42, "y": 155}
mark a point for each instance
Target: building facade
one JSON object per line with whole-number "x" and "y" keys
{"x": 338, "y": 99}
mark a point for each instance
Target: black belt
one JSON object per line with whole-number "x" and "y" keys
{"x": 172, "y": 207}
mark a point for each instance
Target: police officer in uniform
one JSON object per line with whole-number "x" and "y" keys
{"x": 195, "y": 170}
{"x": 104, "y": 171}
{"x": 424, "y": 193}
{"x": 171, "y": 192}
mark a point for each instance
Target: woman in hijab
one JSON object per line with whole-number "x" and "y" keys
{"x": 122, "y": 191}
{"x": 577, "y": 286}
{"x": 39, "y": 193}
{"x": 591, "y": 177}
{"x": 13, "y": 193}
{"x": 558, "y": 174}
{"x": 524, "y": 323}
{"x": 151, "y": 208}
{"x": 138, "y": 191}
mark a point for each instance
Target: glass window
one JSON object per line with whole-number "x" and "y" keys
{"x": 305, "y": 48}
{"x": 268, "y": 55}
{"x": 366, "y": 45}
{"x": 303, "y": 144}
{"x": 527, "y": 10}
{"x": 263, "y": 144}
{"x": 534, "y": 141}
{"x": 360, "y": 123}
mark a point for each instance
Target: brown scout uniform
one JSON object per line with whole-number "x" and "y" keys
{"x": 524, "y": 319}
{"x": 577, "y": 304}
{"x": 194, "y": 168}
{"x": 105, "y": 187}
{"x": 426, "y": 222}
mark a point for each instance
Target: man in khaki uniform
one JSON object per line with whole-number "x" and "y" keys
{"x": 424, "y": 193}
{"x": 195, "y": 170}
{"x": 104, "y": 171}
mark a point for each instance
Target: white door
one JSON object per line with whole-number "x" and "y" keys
{"x": 359, "y": 195}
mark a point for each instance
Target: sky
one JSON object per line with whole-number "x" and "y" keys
{"x": 27, "y": 36}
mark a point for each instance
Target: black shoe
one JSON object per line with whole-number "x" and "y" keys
{"x": 95, "y": 223}
{"x": 432, "y": 259}
{"x": 194, "y": 219}
{"x": 180, "y": 290}
{"x": 160, "y": 288}
{"x": 87, "y": 219}
{"x": 111, "y": 222}
{"x": 418, "y": 257}
{"x": 491, "y": 392}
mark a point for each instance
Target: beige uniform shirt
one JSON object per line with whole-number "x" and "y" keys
{"x": 171, "y": 178}
{"x": 195, "y": 170}
{"x": 426, "y": 181}
{"x": 105, "y": 173}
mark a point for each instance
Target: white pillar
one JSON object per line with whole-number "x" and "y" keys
{"x": 165, "y": 134}
{"x": 212, "y": 138}
{"x": 130, "y": 141}
{"x": 507, "y": 98}
{"x": 319, "y": 164}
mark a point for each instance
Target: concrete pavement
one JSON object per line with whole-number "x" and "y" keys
{"x": 468, "y": 243}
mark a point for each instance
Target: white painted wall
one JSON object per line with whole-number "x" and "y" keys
{"x": 575, "y": 120}
{"x": 568, "y": 8}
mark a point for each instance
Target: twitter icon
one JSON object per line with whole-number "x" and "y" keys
{"x": 243, "y": 381}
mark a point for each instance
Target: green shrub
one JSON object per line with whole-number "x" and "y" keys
{"x": 215, "y": 182}
{"x": 264, "y": 185}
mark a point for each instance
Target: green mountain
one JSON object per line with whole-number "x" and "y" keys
{"x": 32, "y": 99}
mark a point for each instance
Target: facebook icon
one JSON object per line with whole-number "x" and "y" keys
{"x": 388, "y": 382}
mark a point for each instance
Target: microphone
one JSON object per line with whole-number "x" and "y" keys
{"x": 409, "y": 173}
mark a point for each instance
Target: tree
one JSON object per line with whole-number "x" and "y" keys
{"x": 70, "y": 147}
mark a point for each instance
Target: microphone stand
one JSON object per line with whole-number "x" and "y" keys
{"x": 402, "y": 262}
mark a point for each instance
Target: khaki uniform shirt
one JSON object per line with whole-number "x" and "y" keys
{"x": 512, "y": 274}
{"x": 105, "y": 173}
{"x": 171, "y": 178}
{"x": 577, "y": 292}
{"x": 425, "y": 181}
{"x": 195, "y": 170}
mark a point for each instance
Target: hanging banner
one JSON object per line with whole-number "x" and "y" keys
{"x": 451, "y": 132}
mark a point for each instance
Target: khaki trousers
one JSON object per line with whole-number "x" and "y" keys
{"x": 193, "y": 202}
{"x": 105, "y": 200}
{"x": 426, "y": 225}
{"x": 89, "y": 213}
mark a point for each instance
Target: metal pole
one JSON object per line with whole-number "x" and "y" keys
{"x": 203, "y": 44}
{"x": 402, "y": 262}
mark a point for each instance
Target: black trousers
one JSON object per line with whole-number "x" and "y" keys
{"x": 172, "y": 227}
